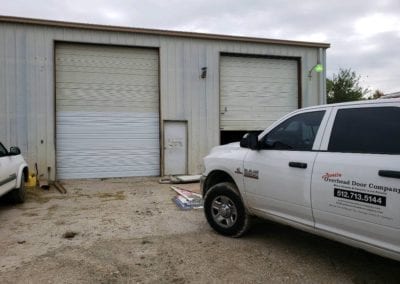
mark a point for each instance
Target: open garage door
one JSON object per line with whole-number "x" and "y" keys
{"x": 107, "y": 111}
{"x": 254, "y": 92}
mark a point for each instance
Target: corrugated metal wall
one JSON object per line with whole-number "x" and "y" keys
{"x": 27, "y": 91}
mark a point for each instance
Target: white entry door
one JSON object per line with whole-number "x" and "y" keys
{"x": 175, "y": 147}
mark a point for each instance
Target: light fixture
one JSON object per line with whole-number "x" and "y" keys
{"x": 203, "y": 74}
{"x": 317, "y": 68}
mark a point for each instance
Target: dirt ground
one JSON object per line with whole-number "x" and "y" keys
{"x": 129, "y": 231}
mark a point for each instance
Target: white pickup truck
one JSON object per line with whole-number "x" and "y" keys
{"x": 333, "y": 170}
{"x": 13, "y": 174}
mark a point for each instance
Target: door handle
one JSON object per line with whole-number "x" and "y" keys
{"x": 298, "y": 165}
{"x": 390, "y": 174}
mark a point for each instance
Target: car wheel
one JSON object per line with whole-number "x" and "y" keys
{"x": 225, "y": 211}
{"x": 18, "y": 194}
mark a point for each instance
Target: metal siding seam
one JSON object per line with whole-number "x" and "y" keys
{"x": 3, "y": 93}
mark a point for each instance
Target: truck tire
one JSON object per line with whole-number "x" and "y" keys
{"x": 17, "y": 195}
{"x": 225, "y": 211}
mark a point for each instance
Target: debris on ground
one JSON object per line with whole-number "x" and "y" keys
{"x": 44, "y": 183}
{"x": 186, "y": 199}
{"x": 192, "y": 187}
{"x": 60, "y": 187}
{"x": 69, "y": 234}
{"x": 180, "y": 179}
{"x": 188, "y": 179}
{"x": 144, "y": 242}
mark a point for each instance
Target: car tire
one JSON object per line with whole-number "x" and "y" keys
{"x": 17, "y": 195}
{"x": 225, "y": 211}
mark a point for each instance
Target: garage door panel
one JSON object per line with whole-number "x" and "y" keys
{"x": 106, "y": 60}
{"x": 259, "y": 74}
{"x": 115, "y": 142}
{"x": 82, "y": 77}
{"x": 242, "y": 82}
{"x": 97, "y": 109}
{"x": 107, "y": 112}
{"x": 109, "y": 130}
{"x": 102, "y": 171}
{"x": 106, "y": 161}
{"x": 109, "y": 117}
{"x": 106, "y": 172}
{"x": 261, "y": 112}
{"x": 121, "y": 71}
{"x": 98, "y": 95}
{"x": 110, "y": 87}
{"x": 103, "y": 51}
{"x": 259, "y": 89}
{"x": 110, "y": 152}
{"x": 104, "y": 103}
{"x": 254, "y": 100}
{"x": 255, "y": 91}
{"x": 272, "y": 115}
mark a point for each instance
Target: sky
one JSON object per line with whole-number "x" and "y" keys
{"x": 364, "y": 34}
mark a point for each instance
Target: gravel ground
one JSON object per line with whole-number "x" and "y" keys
{"x": 129, "y": 231}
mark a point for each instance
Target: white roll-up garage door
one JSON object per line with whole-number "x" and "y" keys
{"x": 256, "y": 91}
{"x": 107, "y": 111}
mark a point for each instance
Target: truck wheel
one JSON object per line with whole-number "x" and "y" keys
{"x": 225, "y": 211}
{"x": 18, "y": 194}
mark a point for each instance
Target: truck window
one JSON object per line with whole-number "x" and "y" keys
{"x": 374, "y": 130}
{"x": 296, "y": 133}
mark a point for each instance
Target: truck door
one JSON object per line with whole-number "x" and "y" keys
{"x": 277, "y": 177}
{"x": 356, "y": 181}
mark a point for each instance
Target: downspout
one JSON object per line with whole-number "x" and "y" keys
{"x": 321, "y": 77}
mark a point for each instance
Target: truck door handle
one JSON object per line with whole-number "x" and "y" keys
{"x": 390, "y": 174}
{"x": 298, "y": 165}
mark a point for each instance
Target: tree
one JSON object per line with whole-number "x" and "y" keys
{"x": 344, "y": 87}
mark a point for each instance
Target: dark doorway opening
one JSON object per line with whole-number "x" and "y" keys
{"x": 234, "y": 136}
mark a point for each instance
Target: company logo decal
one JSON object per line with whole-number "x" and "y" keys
{"x": 238, "y": 171}
{"x": 327, "y": 176}
{"x": 251, "y": 173}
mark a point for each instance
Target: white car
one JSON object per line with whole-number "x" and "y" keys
{"x": 13, "y": 174}
{"x": 333, "y": 170}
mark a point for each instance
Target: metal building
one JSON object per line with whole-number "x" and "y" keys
{"x": 88, "y": 101}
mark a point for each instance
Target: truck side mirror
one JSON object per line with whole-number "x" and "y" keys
{"x": 250, "y": 140}
{"x": 243, "y": 141}
{"x": 14, "y": 151}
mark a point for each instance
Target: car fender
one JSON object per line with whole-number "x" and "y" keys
{"x": 237, "y": 178}
{"x": 21, "y": 168}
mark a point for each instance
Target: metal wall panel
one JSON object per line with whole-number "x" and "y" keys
{"x": 27, "y": 73}
{"x": 107, "y": 122}
{"x": 256, "y": 91}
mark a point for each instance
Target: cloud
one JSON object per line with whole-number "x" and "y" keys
{"x": 376, "y": 23}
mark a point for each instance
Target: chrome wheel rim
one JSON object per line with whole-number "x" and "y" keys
{"x": 224, "y": 211}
